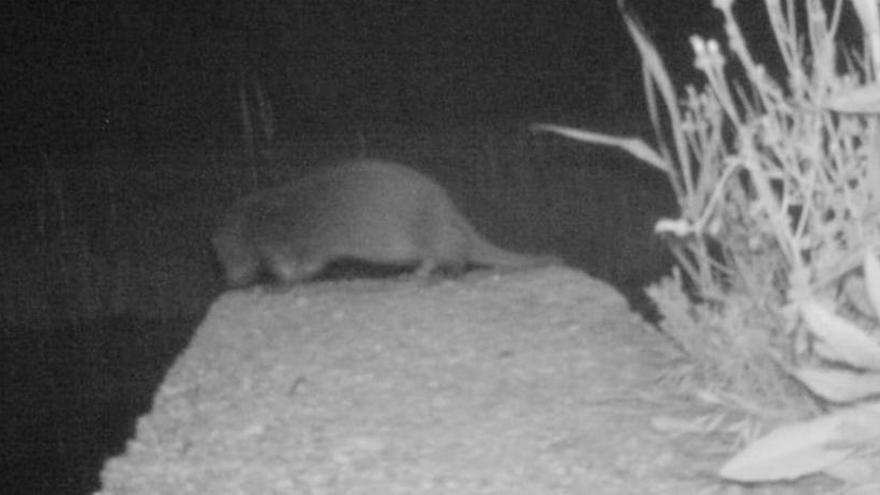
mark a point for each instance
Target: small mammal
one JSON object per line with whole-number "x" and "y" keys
{"x": 374, "y": 211}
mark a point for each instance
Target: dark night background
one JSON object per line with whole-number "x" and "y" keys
{"x": 134, "y": 73}
{"x": 121, "y": 142}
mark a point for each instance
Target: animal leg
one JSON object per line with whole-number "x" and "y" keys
{"x": 289, "y": 271}
{"x": 241, "y": 275}
{"x": 240, "y": 268}
{"x": 426, "y": 268}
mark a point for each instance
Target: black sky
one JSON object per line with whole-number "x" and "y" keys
{"x": 160, "y": 69}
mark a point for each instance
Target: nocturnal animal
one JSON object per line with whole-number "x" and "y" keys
{"x": 374, "y": 211}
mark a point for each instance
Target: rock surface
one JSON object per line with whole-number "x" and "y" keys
{"x": 535, "y": 382}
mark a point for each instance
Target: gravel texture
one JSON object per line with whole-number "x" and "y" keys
{"x": 534, "y": 382}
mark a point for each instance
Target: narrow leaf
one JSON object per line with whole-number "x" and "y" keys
{"x": 634, "y": 146}
{"x": 872, "y": 281}
{"x": 856, "y": 471}
{"x": 839, "y": 386}
{"x": 841, "y": 341}
{"x": 862, "y": 100}
{"x": 789, "y": 452}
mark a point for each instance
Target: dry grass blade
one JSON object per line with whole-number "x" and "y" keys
{"x": 868, "y": 13}
{"x": 657, "y": 76}
{"x": 634, "y": 146}
{"x": 860, "y": 100}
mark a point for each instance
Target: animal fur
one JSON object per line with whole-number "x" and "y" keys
{"x": 370, "y": 210}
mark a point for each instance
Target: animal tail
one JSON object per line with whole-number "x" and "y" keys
{"x": 484, "y": 252}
